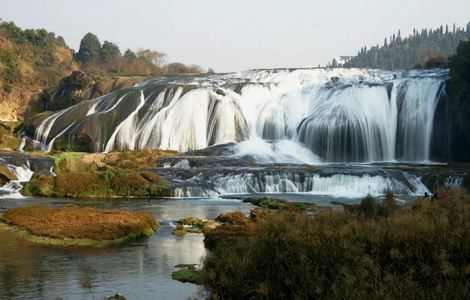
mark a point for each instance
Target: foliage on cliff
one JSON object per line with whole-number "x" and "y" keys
{"x": 36, "y": 64}
{"x": 411, "y": 51}
{"x": 417, "y": 252}
{"x": 30, "y": 60}
{"x": 459, "y": 92}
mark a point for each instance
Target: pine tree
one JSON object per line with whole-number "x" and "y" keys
{"x": 89, "y": 49}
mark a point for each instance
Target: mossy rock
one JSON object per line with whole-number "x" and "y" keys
{"x": 188, "y": 274}
{"x": 80, "y": 184}
{"x": 6, "y": 174}
{"x": 233, "y": 218}
{"x": 278, "y": 204}
{"x": 192, "y": 221}
{"x": 180, "y": 230}
{"x": 40, "y": 185}
{"x": 73, "y": 143}
{"x": 129, "y": 183}
{"x": 8, "y": 139}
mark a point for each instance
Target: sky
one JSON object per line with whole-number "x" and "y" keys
{"x": 239, "y": 34}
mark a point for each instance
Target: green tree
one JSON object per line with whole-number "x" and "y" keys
{"x": 334, "y": 63}
{"x": 89, "y": 49}
{"x": 109, "y": 52}
{"x": 129, "y": 55}
{"x": 459, "y": 92}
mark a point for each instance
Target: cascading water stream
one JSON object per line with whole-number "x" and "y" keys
{"x": 339, "y": 115}
{"x": 23, "y": 174}
{"x": 302, "y": 116}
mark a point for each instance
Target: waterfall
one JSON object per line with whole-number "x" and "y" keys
{"x": 337, "y": 185}
{"x": 311, "y": 115}
{"x": 23, "y": 174}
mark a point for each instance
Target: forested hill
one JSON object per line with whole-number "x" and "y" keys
{"x": 430, "y": 47}
{"x": 35, "y": 64}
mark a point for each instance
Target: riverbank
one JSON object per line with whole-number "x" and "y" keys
{"x": 373, "y": 248}
{"x": 77, "y": 226}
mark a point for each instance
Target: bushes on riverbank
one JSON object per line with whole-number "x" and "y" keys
{"x": 80, "y": 222}
{"x": 420, "y": 251}
{"x": 123, "y": 174}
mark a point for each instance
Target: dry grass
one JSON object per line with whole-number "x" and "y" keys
{"x": 420, "y": 251}
{"x": 80, "y": 184}
{"x": 80, "y": 222}
{"x": 136, "y": 159}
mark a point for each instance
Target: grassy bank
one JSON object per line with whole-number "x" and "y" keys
{"x": 119, "y": 174}
{"x": 77, "y": 226}
{"x": 372, "y": 250}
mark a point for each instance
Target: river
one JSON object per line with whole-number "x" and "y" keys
{"x": 138, "y": 270}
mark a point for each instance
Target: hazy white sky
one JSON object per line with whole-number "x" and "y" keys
{"x": 239, "y": 34}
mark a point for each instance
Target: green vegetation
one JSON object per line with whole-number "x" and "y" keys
{"x": 428, "y": 48}
{"x": 180, "y": 230}
{"x": 122, "y": 174}
{"x": 44, "y": 74}
{"x": 276, "y": 204}
{"x": 192, "y": 221}
{"x": 419, "y": 251}
{"x": 459, "y": 92}
{"x": 189, "y": 225}
{"x": 187, "y": 273}
{"x": 237, "y": 218}
{"x": 98, "y": 58}
{"x": 78, "y": 226}
{"x": 25, "y": 54}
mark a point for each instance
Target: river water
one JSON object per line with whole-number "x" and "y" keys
{"x": 138, "y": 270}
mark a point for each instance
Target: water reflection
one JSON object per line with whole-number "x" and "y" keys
{"x": 139, "y": 270}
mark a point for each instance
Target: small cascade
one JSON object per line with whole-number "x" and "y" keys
{"x": 336, "y": 185}
{"x": 13, "y": 188}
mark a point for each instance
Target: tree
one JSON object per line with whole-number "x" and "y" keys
{"x": 154, "y": 57}
{"x": 109, "y": 52}
{"x": 334, "y": 63}
{"x": 129, "y": 55}
{"x": 416, "y": 49}
{"x": 89, "y": 49}
{"x": 459, "y": 92}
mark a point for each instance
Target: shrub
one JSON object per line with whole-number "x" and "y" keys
{"x": 8, "y": 88}
{"x": 80, "y": 184}
{"x": 188, "y": 274}
{"x": 233, "y": 218}
{"x": 369, "y": 207}
{"x": 40, "y": 185}
{"x": 192, "y": 221}
{"x": 415, "y": 253}
{"x": 129, "y": 183}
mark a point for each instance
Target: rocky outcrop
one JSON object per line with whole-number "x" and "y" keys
{"x": 73, "y": 89}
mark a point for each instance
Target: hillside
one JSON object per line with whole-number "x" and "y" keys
{"x": 428, "y": 48}
{"x": 30, "y": 60}
{"x": 39, "y": 72}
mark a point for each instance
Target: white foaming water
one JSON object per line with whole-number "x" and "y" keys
{"x": 124, "y": 132}
{"x": 329, "y": 115}
{"x": 417, "y": 116}
{"x": 284, "y": 151}
{"x": 337, "y": 185}
{"x": 12, "y": 189}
